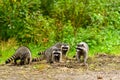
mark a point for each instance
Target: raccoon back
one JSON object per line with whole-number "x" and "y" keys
{"x": 21, "y": 53}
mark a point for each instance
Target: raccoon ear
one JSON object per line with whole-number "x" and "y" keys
{"x": 83, "y": 45}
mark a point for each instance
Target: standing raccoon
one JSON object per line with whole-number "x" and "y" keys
{"x": 23, "y": 54}
{"x": 52, "y": 54}
{"x": 82, "y": 50}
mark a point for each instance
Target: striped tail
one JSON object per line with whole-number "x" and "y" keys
{"x": 38, "y": 59}
{"x": 10, "y": 59}
{"x": 41, "y": 53}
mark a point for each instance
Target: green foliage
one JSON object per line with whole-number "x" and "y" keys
{"x": 41, "y": 23}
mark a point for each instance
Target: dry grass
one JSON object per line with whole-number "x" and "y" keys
{"x": 4, "y": 45}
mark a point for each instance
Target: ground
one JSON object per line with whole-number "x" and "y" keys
{"x": 100, "y": 67}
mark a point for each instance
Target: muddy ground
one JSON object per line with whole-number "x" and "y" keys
{"x": 100, "y": 67}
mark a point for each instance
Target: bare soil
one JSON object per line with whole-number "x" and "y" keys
{"x": 100, "y": 67}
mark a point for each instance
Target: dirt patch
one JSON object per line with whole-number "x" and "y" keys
{"x": 100, "y": 67}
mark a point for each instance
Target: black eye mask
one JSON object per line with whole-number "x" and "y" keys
{"x": 56, "y": 56}
{"x": 65, "y": 48}
{"x": 79, "y": 48}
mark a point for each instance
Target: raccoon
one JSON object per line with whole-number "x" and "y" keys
{"x": 82, "y": 50}
{"x": 56, "y": 54}
{"x": 52, "y": 54}
{"x": 23, "y": 54}
{"x": 64, "y": 49}
{"x": 63, "y": 46}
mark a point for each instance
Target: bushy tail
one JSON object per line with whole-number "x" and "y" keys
{"x": 38, "y": 58}
{"x": 41, "y": 53}
{"x": 10, "y": 59}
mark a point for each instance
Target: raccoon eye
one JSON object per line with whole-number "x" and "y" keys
{"x": 57, "y": 53}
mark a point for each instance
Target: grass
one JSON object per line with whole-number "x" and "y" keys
{"x": 110, "y": 46}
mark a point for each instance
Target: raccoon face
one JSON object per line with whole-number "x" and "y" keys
{"x": 80, "y": 47}
{"x": 64, "y": 48}
{"x": 57, "y": 55}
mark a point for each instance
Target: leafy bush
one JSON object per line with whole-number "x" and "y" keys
{"x": 45, "y": 22}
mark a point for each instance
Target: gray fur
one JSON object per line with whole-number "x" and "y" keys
{"x": 82, "y": 50}
{"x": 64, "y": 48}
{"x": 23, "y": 54}
{"x": 60, "y": 48}
{"x": 50, "y": 55}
